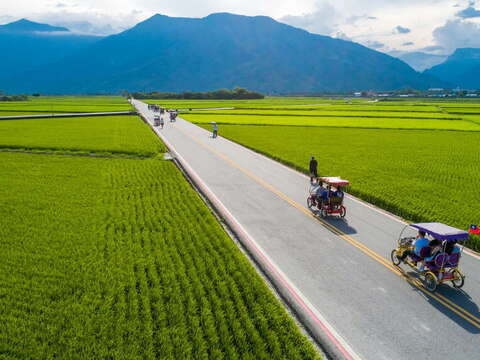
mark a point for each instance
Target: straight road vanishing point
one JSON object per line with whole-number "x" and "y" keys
{"x": 337, "y": 271}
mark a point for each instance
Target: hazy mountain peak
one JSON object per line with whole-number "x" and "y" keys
{"x": 462, "y": 68}
{"x": 465, "y": 53}
{"x": 418, "y": 60}
{"x": 25, "y": 25}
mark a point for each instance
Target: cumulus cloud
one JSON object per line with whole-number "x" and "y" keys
{"x": 376, "y": 45}
{"x": 356, "y": 18}
{"x": 457, "y": 34}
{"x": 341, "y": 35}
{"x": 468, "y": 13}
{"x": 6, "y": 19}
{"x": 92, "y": 22}
{"x": 320, "y": 21}
{"x": 432, "y": 48}
{"x": 401, "y": 30}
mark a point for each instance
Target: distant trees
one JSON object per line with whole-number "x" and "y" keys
{"x": 222, "y": 94}
{"x": 13, "y": 97}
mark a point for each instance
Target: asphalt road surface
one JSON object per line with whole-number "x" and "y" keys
{"x": 341, "y": 267}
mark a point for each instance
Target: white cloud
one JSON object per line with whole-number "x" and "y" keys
{"x": 401, "y": 30}
{"x": 371, "y": 23}
{"x": 368, "y": 22}
{"x": 457, "y": 34}
{"x": 374, "y": 44}
{"x": 320, "y": 21}
{"x": 469, "y": 12}
{"x": 92, "y": 22}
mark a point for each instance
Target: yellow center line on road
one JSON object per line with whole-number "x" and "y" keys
{"x": 457, "y": 309}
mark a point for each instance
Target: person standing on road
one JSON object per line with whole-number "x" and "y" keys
{"x": 313, "y": 169}
{"x": 162, "y": 122}
{"x": 215, "y": 131}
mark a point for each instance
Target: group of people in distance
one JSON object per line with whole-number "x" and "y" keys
{"x": 158, "y": 119}
{"x": 435, "y": 247}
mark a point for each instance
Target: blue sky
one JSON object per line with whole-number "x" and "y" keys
{"x": 437, "y": 26}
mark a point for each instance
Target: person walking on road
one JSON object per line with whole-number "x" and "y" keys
{"x": 313, "y": 169}
{"x": 162, "y": 122}
{"x": 215, "y": 130}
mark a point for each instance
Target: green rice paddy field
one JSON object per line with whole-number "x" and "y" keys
{"x": 337, "y": 122}
{"x": 419, "y": 164}
{"x": 64, "y": 104}
{"x": 106, "y": 134}
{"x": 108, "y": 258}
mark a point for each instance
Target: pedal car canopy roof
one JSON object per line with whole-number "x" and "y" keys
{"x": 441, "y": 231}
{"x": 335, "y": 181}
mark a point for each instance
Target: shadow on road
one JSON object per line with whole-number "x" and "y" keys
{"x": 335, "y": 221}
{"x": 341, "y": 224}
{"x": 457, "y": 297}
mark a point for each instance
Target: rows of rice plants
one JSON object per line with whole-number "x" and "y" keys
{"x": 349, "y": 107}
{"x": 268, "y": 102}
{"x": 114, "y": 258}
{"x": 325, "y": 112}
{"x": 463, "y": 110}
{"x": 66, "y": 104}
{"x": 17, "y": 113}
{"x": 420, "y": 175}
{"x": 475, "y": 103}
{"x": 105, "y": 134}
{"x": 473, "y": 118}
{"x": 360, "y": 122}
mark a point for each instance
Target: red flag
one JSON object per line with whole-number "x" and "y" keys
{"x": 474, "y": 229}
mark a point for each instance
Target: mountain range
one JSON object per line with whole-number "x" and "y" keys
{"x": 198, "y": 54}
{"x": 461, "y": 69}
{"x": 28, "y": 45}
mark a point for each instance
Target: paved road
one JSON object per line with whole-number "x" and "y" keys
{"x": 340, "y": 267}
{"x": 49, "y": 116}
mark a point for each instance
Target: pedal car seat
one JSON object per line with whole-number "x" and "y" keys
{"x": 441, "y": 260}
{"x": 334, "y": 200}
{"x": 453, "y": 260}
{"x": 425, "y": 252}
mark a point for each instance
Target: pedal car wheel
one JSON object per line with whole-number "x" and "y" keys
{"x": 430, "y": 282}
{"x": 458, "y": 279}
{"x": 395, "y": 259}
{"x": 343, "y": 211}
{"x": 309, "y": 202}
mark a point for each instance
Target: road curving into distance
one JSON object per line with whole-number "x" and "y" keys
{"x": 335, "y": 274}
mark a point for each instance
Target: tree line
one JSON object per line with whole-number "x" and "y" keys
{"x": 222, "y": 94}
{"x": 13, "y": 97}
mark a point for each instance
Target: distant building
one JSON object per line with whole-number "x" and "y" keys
{"x": 357, "y": 94}
{"x": 436, "y": 89}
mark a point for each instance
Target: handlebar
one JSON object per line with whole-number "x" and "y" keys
{"x": 406, "y": 240}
